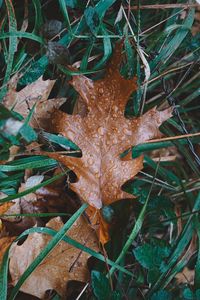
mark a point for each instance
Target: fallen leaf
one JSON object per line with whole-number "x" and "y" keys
{"x": 104, "y": 133}
{"x": 34, "y": 93}
{"x": 38, "y": 90}
{"x": 64, "y": 263}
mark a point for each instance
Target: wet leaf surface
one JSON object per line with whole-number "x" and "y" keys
{"x": 104, "y": 133}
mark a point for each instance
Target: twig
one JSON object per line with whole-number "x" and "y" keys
{"x": 83, "y": 290}
{"x": 164, "y": 6}
{"x": 183, "y": 136}
{"x": 161, "y": 22}
{"x": 168, "y": 72}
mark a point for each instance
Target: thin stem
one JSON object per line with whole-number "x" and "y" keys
{"x": 164, "y": 6}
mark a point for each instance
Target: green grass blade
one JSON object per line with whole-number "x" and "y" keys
{"x": 20, "y": 34}
{"x": 107, "y": 49}
{"x": 64, "y": 11}
{"x": 85, "y": 59}
{"x": 12, "y": 46}
{"x": 175, "y": 42}
{"x": 60, "y": 140}
{"x": 197, "y": 266}
{"x": 38, "y": 15}
{"x": 40, "y": 163}
{"x": 4, "y": 276}
{"x": 71, "y": 73}
{"x": 141, "y": 148}
{"x": 102, "y": 6}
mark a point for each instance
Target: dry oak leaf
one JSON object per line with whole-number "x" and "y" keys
{"x": 64, "y": 263}
{"x": 104, "y": 133}
{"x": 34, "y": 93}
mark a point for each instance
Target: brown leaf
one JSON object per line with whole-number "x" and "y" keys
{"x": 34, "y": 93}
{"x": 102, "y": 132}
{"x": 38, "y": 90}
{"x": 64, "y": 263}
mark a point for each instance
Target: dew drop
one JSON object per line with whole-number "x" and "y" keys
{"x": 127, "y": 132}
{"x": 115, "y": 108}
{"x": 100, "y": 91}
{"x": 101, "y": 130}
{"x": 111, "y": 162}
{"x": 70, "y": 134}
{"x": 114, "y": 141}
{"x": 90, "y": 161}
